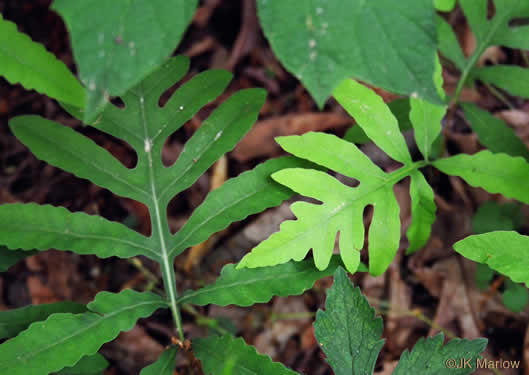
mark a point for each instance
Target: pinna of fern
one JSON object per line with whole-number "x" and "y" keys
{"x": 145, "y": 126}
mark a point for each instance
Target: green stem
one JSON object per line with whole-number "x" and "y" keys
{"x": 160, "y": 226}
{"x": 483, "y": 44}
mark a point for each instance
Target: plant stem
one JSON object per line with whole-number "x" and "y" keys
{"x": 160, "y": 226}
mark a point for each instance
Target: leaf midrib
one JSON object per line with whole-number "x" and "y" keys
{"x": 24, "y": 357}
{"x": 392, "y": 179}
{"x": 230, "y": 285}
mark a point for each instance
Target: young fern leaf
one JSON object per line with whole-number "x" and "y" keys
{"x": 506, "y": 252}
{"x": 342, "y": 206}
{"x": 496, "y": 173}
{"x": 63, "y": 339}
{"x": 496, "y": 31}
{"x": 228, "y": 355}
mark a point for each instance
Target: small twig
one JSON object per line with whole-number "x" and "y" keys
{"x": 499, "y": 95}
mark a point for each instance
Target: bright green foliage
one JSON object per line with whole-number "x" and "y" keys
{"x": 342, "y": 209}
{"x": 445, "y": 5}
{"x": 400, "y": 109}
{"x": 492, "y": 216}
{"x": 489, "y": 217}
{"x": 350, "y": 336}
{"x": 347, "y": 331}
{"x": 426, "y": 119}
{"x": 390, "y": 44}
{"x": 164, "y": 365}
{"x": 89, "y": 365}
{"x": 494, "y": 133}
{"x": 9, "y": 258}
{"x": 488, "y": 32}
{"x": 422, "y": 212}
{"x": 247, "y": 286}
{"x": 496, "y": 173}
{"x": 28, "y": 63}
{"x": 228, "y": 355}
{"x": 515, "y": 296}
{"x": 118, "y": 43}
{"x": 64, "y": 338}
{"x": 504, "y": 251}
{"x": 14, "y": 321}
{"x": 429, "y": 356}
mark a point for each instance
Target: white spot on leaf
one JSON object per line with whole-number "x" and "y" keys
{"x": 312, "y": 43}
{"x": 147, "y": 145}
{"x": 218, "y": 135}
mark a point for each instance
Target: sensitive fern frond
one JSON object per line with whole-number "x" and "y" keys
{"x": 145, "y": 126}
{"x": 342, "y": 206}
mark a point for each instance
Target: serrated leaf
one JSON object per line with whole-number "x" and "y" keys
{"x": 90, "y": 365}
{"x": 385, "y": 43}
{"x": 494, "y": 133}
{"x": 507, "y": 77}
{"x": 28, "y": 63}
{"x": 64, "y": 338}
{"x": 249, "y": 193}
{"x": 247, "y": 286}
{"x": 118, "y": 44}
{"x": 515, "y": 297}
{"x": 347, "y": 330}
{"x": 164, "y": 365}
{"x": 491, "y": 216}
{"x": 496, "y": 173}
{"x": 228, "y": 355}
{"x": 31, "y": 226}
{"x": 504, "y": 251}
{"x": 423, "y": 210}
{"x": 14, "y": 321}
{"x": 430, "y": 357}
{"x": 9, "y": 258}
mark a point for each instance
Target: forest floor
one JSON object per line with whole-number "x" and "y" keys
{"x": 430, "y": 291}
